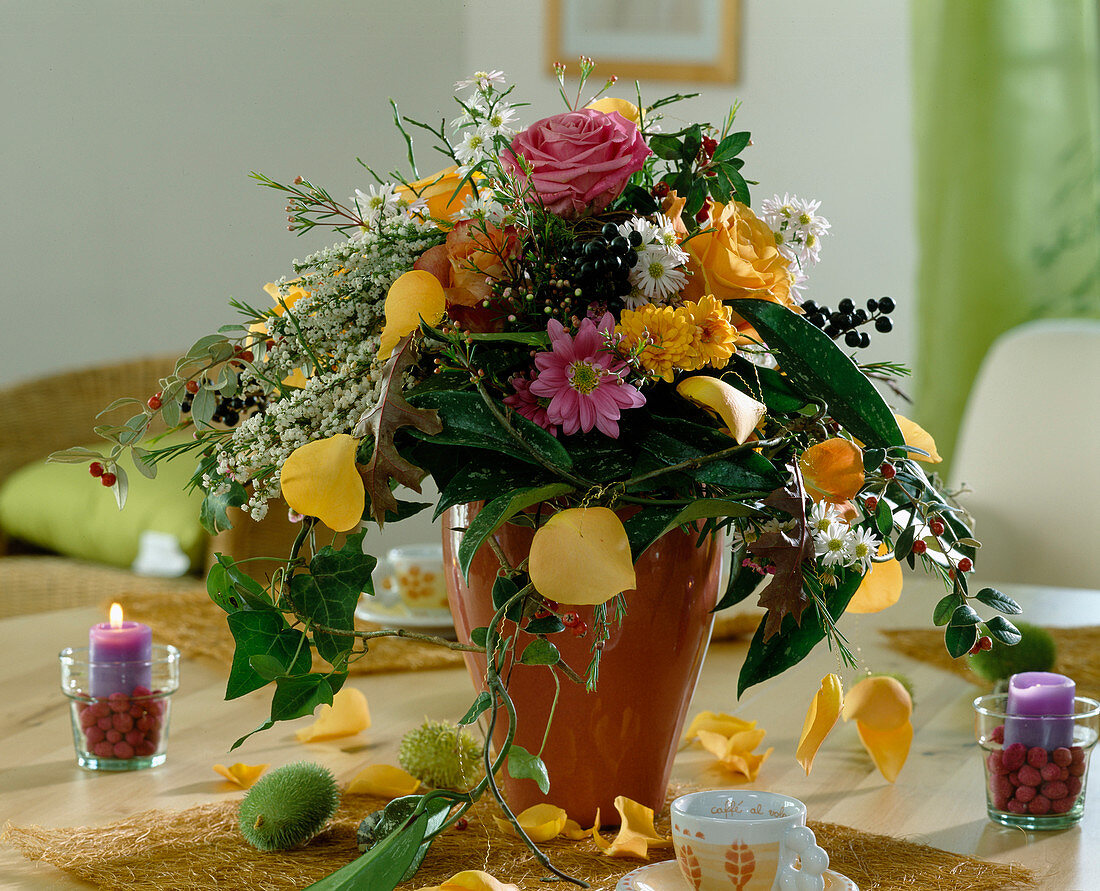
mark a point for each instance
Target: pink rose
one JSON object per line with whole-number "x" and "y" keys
{"x": 580, "y": 160}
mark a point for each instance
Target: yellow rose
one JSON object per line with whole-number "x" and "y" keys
{"x": 438, "y": 190}
{"x": 735, "y": 256}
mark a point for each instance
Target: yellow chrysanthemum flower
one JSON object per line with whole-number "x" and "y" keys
{"x": 714, "y": 337}
{"x": 666, "y": 333}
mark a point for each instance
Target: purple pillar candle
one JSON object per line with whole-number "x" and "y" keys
{"x": 1040, "y": 694}
{"x": 119, "y": 656}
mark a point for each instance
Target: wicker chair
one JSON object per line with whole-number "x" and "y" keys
{"x": 56, "y": 412}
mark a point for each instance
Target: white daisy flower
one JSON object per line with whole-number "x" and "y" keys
{"x": 474, "y": 147}
{"x": 377, "y": 202}
{"x": 797, "y": 226}
{"x": 474, "y": 111}
{"x": 656, "y": 275}
{"x": 822, "y": 515}
{"x": 481, "y": 79}
{"x": 483, "y": 207}
{"x": 643, "y": 227}
{"x": 498, "y": 121}
{"x": 863, "y": 546}
{"x": 833, "y": 545}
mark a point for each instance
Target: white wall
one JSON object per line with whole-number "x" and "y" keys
{"x": 130, "y": 127}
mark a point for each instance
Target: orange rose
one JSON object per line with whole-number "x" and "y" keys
{"x": 735, "y": 256}
{"x": 438, "y": 190}
{"x": 473, "y": 254}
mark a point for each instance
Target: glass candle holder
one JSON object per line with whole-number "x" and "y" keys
{"x": 128, "y": 729}
{"x": 1030, "y": 785}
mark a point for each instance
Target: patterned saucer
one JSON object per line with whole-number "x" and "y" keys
{"x": 665, "y": 876}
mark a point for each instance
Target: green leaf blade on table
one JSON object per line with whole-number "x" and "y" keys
{"x": 383, "y": 866}
{"x": 812, "y": 361}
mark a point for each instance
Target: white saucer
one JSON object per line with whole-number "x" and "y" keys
{"x": 431, "y": 621}
{"x": 666, "y": 876}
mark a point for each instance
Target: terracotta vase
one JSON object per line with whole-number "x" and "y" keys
{"x": 620, "y": 739}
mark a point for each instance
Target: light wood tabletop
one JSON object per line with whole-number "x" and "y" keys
{"x": 938, "y": 798}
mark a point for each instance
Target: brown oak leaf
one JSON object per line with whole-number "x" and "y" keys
{"x": 786, "y": 550}
{"x": 390, "y": 414}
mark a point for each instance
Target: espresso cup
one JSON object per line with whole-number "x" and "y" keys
{"x": 416, "y": 575}
{"x": 746, "y": 841}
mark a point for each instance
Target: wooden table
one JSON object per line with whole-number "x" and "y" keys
{"x": 938, "y": 799}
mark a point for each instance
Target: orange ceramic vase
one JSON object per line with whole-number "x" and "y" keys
{"x": 620, "y": 739}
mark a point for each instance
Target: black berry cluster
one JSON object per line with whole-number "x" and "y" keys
{"x": 846, "y": 318}
{"x": 600, "y": 266}
{"x": 230, "y": 411}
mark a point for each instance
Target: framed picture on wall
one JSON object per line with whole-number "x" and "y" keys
{"x": 690, "y": 40}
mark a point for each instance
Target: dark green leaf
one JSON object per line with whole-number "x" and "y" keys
{"x": 213, "y": 514}
{"x": 479, "y": 635}
{"x": 546, "y": 625}
{"x": 296, "y": 697}
{"x": 941, "y": 615}
{"x": 964, "y": 615}
{"x": 481, "y": 480}
{"x": 267, "y": 666}
{"x": 693, "y": 141}
{"x": 481, "y": 704}
{"x": 811, "y": 359}
{"x": 665, "y": 147}
{"x": 793, "y": 642}
{"x": 540, "y": 652}
{"x": 904, "y": 544}
{"x": 328, "y": 594}
{"x": 496, "y": 513}
{"x": 263, "y": 632}
{"x": 232, "y": 589}
{"x": 383, "y": 866}
{"x": 504, "y": 589}
{"x": 650, "y": 523}
{"x": 376, "y": 827}
{"x": 602, "y": 459}
{"x": 747, "y": 472}
{"x": 730, "y": 146}
{"x": 467, "y": 421}
{"x": 1000, "y": 602}
{"x": 522, "y": 765}
{"x": 765, "y": 385}
{"x": 884, "y": 518}
{"x": 1002, "y": 629}
{"x": 960, "y": 639}
{"x": 873, "y": 459}
{"x": 740, "y": 188}
{"x": 639, "y": 200}
{"x": 743, "y": 582}
{"x": 405, "y": 509}
{"x": 695, "y": 197}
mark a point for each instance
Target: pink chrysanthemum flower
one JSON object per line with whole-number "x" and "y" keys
{"x": 527, "y": 404}
{"x": 584, "y": 380}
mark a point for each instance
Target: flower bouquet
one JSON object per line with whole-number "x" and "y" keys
{"x": 582, "y": 328}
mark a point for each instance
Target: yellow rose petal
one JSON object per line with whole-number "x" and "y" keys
{"x": 636, "y": 835}
{"x": 832, "y": 470}
{"x": 283, "y": 302}
{"x": 820, "y": 720}
{"x": 887, "y": 748}
{"x": 735, "y": 753}
{"x": 917, "y": 436}
{"x": 573, "y": 831}
{"x": 740, "y": 412}
{"x": 472, "y": 880}
{"x": 746, "y": 764}
{"x": 609, "y": 104}
{"x": 383, "y": 781}
{"x": 347, "y": 715}
{"x": 718, "y": 722}
{"x": 880, "y": 588}
{"x": 581, "y": 556}
{"x": 320, "y": 479}
{"x": 243, "y": 775}
{"x": 541, "y": 822}
{"x": 438, "y": 193}
{"x": 879, "y": 702}
{"x": 415, "y": 295}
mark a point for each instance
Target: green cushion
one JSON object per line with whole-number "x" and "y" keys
{"x": 62, "y": 508}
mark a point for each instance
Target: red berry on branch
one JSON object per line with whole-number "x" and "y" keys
{"x": 247, "y": 355}
{"x": 154, "y": 401}
{"x": 985, "y": 643}
{"x": 965, "y": 564}
{"x": 108, "y": 479}
{"x": 660, "y": 190}
{"x": 703, "y": 215}
{"x": 191, "y": 387}
{"x": 870, "y": 503}
{"x": 580, "y": 629}
{"x": 887, "y": 470}
{"x": 920, "y": 546}
{"x": 936, "y": 526}
{"x": 95, "y": 469}
{"x": 570, "y": 620}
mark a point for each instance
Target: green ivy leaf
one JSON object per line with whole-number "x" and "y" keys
{"x": 267, "y": 666}
{"x": 540, "y": 652}
{"x": 213, "y": 514}
{"x": 1000, "y": 602}
{"x": 263, "y": 632}
{"x": 330, "y": 591}
{"x": 812, "y": 361}
{"x": 522, "y": 765}
{"x": 232, "y": 589}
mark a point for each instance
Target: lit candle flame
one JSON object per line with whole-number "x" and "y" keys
{"x": 116, "y": 615}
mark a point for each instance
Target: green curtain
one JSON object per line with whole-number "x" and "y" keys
{"x": 1007, "y": 130}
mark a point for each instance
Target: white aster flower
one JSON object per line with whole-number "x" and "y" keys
{"x": 863, "y": 546}
{"x": 822, "y": 515}
{"x": 474, "y": 111}
{"x": 376, "y": 203}
{"x": 498, "y": 122}
{"x": 474, "y": 147}
{"x": 645, "y": 228}
{"x": 656, "y": 275}
{"x": 482, "y": 80}
{"x": 833, "y": 545}
{"x": 484, "y": 207}
{"x": 797, "y": 226}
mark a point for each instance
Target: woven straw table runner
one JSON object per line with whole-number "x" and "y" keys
{"x": 1076, "y": 654}
{"x": 201, "y": 848}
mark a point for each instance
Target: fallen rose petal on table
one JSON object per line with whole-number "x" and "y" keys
{"x": 472, "y": 880}
{"x": 243, "y": 775}
{"x": 348, "y": 715}
{"x": 735, "y": 753}
{"x": 541, "y": 822}
{"x": 384, "y": 781}
{"x": 716, "y": 722}
{"x": 637, "y": 833}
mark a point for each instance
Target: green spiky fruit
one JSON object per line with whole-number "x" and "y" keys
{"x": 441, "y": 754}
{"x": 289, "y": 806}
{"x": 1034, "y": 652}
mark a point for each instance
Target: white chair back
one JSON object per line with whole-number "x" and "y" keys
{"x": 1029, "y": 449}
